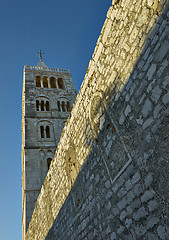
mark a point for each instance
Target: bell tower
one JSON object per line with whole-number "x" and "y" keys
{"x": 48, "y": 96}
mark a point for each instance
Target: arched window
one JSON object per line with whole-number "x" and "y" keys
{"x": 47, "y": 105}
{"x": 42, "y": 105}
{"x": 45, "y": 82}
{"x": 37, "y": 105}
{"x": 53, "y": 82}
{"x": 68, "y": 106}
{"x": 60, "y": 83}
{"x": 49, "y": 160}
{"x": 38, "y": 82}
{"x": 47, "y": 132}
{"x": 42, "y": 131}
{"x": 58, "y": 103}
{"x": 63, "y": 106}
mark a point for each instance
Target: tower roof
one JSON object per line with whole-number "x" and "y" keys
{"x": 41, "y": 64}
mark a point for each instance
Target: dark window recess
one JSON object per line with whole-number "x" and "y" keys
{"x": 49, "y": 160}
{"x": 42, "y": 131}
{"x": 38, "y": 82}
{"x": 60, "y": 83}
{"x": 58, "y": 103}
{"x": 45, "y": 82}
{"x": 68, "y": 106}
{"x": 42, "y": 105}
{"x": 47, "y": 132}
{"x": 63, "y": 106}
{"x": 47, "y": 105}
{"x": 37, "y": 105}
{"x": 52, "y": 82}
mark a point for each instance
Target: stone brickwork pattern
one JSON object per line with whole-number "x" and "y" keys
{"x": 116, "y": 139}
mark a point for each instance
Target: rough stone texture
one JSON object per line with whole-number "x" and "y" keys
{"x": 117, "y": 133}
{"x": 36, "y": 151}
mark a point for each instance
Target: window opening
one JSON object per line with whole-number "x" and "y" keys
{"x": 45, "y": 82}
{"x": 53, "y": 82}
{"x": 37, "y": 105}
{"x": 42, "y": 131}
{"x": 42, "y": 105}
{"x": 38, "y": 82}
{"x": 47, "y": 132}
{"x": 60, "y": 83}
{"x": 68, "y": 106}
{"x": 58, "y": 103}
{"x": 47, "y": 105}
{"x": 63, "y": 106}
{"x": 49, "y": 160}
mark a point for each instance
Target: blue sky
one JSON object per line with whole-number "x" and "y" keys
{"x": 67, "y": 32}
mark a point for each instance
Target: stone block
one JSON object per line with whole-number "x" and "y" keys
{"x": 162, "y": 51}
{"x": 156, "y": 93}
{"x": 165, "y": 98}
{"x": 107, "y": 184}
{"x": 109, "y": 195}
{"x": 141, "y": 213}
{"x": 108, "y": 230}
{"x": 135, "y": 178}
{"x": 148, "y": 195}
{"x": 123, "y": 215}
{"x": 128, "y": 222}
{"x": 129, "y": 210}
{"x": 157, "y": 110}
{"x": 145, "y": 56}
{"x": 152, "y": 205}
{"x": 120, "y": 230}
{"x": 147, "y": 107}
{"x": 130, "y": 196}
{"x": 148, "y": 180}
{"x": 147, "y": 123}
{"x": 161, "y": 232}
{"x": 107, "y": 30}
{"x": 151, "y": 71}
{"x": 115, "y": 211}
{"x": 113, "y": 236}
{"x": 122, "y": 119}
{"x": 140, "y": 230}
{"x": 122, "y": 203}
{"x": 151, "y": 222}
{"x": 162, "y": 68}
{"x": 128, "y": 185}
{"x": 152, "y": 236}
{"x": 136, "y": 204}
{"x": 127, "y": 110}
{"x": 150, "y": 2}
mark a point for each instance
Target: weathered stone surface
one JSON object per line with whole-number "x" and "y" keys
{"x": 141, "y": 213}
{"x": 151, "y": 222}
{"x": 134, "y": 132}
{"x": 162, "y": 51}
{"x": 45, "y": 112}
{"x": 161, "y": 232}
{"x": 152, "y": 205}
{"x": 151, "y": 71}
{"x": 147, "y": 195}
{"x": 147, "y": 108}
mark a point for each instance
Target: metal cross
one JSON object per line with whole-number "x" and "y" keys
{"x": 40, "y": 54}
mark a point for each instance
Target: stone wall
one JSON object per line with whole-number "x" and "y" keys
{"x": 116, "y": 137}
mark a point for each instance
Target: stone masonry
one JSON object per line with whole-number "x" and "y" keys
{"x": 116, "y": 139}
{"x": 48, "y": 96}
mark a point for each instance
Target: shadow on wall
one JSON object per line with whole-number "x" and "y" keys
{"x": 117, "y": 140}
{"x": 125, "y": 175}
